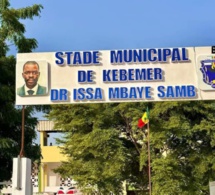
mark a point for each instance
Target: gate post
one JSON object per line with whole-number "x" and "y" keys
{"x": 21, "y": 179}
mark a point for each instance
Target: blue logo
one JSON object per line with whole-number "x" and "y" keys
{"x": 208, "y": 71}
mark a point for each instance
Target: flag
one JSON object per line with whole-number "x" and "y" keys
{"x": 144, "y": 120}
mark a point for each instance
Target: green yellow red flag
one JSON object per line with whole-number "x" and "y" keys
{"x": 144, "y": 120}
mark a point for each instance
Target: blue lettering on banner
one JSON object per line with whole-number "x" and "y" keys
{"x": 176, "y": 55}
{"x": 123, "y": 75}
{"x": 85, "y": 76}
{"x": 148, "y": 55}
{"x": 129, "y": 93}
{"x": 184, "y": 91}
{"x": 59, "y": 57}
{"x": 87, "y": 94}
{"x": 77, "y": 58}
{"x": 88, "y": 58}
{"x": 151, "y": 55}
{"x": 166, "y": 54}
{"x": 59, "y": 95}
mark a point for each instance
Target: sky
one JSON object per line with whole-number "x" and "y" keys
{"x": 81, "y": 25}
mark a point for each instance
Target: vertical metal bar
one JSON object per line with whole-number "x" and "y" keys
{"x": 149, "y": 159}
{"x": 21, "y": 154}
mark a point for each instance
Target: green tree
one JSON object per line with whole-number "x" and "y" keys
{"x": 102, "y": 145}
{"x": 12, "y": 32}
{"x": 183, "y": 135}
{"x": 182, "y": 145}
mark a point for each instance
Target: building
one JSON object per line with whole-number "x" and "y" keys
{"x": 51, "y": 159}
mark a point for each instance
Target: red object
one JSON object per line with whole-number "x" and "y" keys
{"x": 60, "y": 192}
{"x": 140, "y": 123}
{"x": 70, "y": 192}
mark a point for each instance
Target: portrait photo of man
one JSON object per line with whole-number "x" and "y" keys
{"x": 31, "y": 75}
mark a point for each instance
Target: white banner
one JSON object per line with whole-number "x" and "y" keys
{"x": 165, "y": 74}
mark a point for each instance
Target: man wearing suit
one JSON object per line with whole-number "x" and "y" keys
{"x": 31, "y": 75}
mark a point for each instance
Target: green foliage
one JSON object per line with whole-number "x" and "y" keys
{"x": 6, "y": 143}
{"x": 10, "y": 138}
{"x": 99, "y": 159}
{"x": 102, "y": 142}
{"x": 183, "y": 133}
{"x": 12, "y": 32}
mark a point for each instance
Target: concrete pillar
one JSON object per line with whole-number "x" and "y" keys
{"x": 21, "y": 178}
{"x": 124, "y": 189}
{"x": 43, "y": 138}
{"x": 212, "y": 188}
{"x": 43, "y": 177}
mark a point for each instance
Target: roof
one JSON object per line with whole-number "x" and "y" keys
{"x": 46, "y": 125}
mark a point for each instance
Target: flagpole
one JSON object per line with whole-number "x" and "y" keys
{"x": 149, "y": 159}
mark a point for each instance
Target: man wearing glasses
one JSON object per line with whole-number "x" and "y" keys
{"x": 31, "y": 75}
